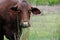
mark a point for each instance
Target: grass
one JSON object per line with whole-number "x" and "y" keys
{"x": 46, "y": 27}
{"x": 45, "y": 2}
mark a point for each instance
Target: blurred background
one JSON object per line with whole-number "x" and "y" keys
{"x": 45, "y": 26}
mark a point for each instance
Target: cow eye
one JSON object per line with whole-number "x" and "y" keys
{"x": 19, "y": 10}
{"x": 29, "y": 11}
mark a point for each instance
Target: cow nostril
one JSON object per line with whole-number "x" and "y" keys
{"x": 25, "y": 24}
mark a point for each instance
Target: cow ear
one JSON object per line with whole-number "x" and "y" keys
{"x": 35, "y": 11}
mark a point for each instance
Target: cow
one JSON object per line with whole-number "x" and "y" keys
{"x": 14, "y": 15}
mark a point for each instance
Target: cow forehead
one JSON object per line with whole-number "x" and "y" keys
{"x": 23, "y": 4}
{"x": 19, "y": 1}
{"x": 22, "y": 1}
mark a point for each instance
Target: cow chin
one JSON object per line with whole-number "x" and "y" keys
{"x": 25, "y": 24}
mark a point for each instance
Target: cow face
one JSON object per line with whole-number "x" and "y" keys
{"x": 24, "y": 10}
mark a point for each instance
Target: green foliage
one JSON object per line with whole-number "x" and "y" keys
{"x": 45, "y": 2}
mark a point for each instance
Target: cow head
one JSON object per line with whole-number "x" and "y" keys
{"x": 24, "y": 10}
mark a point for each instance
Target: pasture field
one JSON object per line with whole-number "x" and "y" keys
{"x": 44, "y": 27}
{"x": 45, "y": 2}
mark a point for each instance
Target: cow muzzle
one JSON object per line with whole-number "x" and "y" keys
{"x": 25, "y": 24}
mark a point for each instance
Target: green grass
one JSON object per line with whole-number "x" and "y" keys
{"x": 45, "y": 2}
{"x": 45, "y": 27}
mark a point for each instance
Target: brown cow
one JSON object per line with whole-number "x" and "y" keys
{"x": 14, "y": 14}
